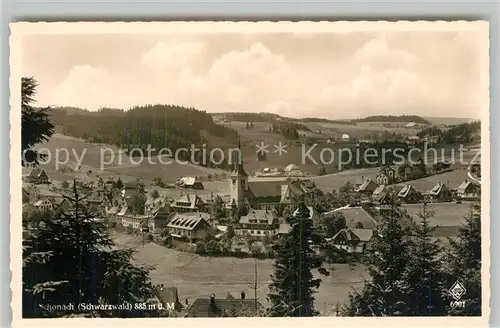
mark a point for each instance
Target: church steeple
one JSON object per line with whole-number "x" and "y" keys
{"x": 238, "y": 169}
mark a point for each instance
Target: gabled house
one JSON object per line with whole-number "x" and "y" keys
{"x": 259, "y": 224}
{"x": 405, "y": 171}
{"x": 439, "y": 193}
{"x": 292, "y": 190}
{"x": 130, "y": 188}
{"x": 190, "y": 183}
{"x": 168, "y": 297}
{"x": 191, "y": 227}
{"x": 468, "y": 191}
{"x": 378, "y": 191}
{"x": 386, "y": 175}
{"x": 353, "y": 240}
{"x": 189, "y": 203}
{"x": 159, "y": 217}
{"x": 37, "y": 176}
{"x": 409, "y": 195}
{"x": 366, "y": 189}
{"x": 43, "y": 205}
{"x": 223, "y": 307}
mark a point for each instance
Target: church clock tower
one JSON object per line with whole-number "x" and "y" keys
{"x": 238, "y": 181}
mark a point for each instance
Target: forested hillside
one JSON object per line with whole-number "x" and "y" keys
{"x": 160, "y": 126}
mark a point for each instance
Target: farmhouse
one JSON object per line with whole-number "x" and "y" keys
{"x": 353, "y": 240}
{"x": 409, "y": 195}
{"x": 259, "y": 224}
{"x": 191, "y": 227}
{"x": 468, "y": 191}
{"x": 439, "y": 193}
{"x": 191, "y": 183}
{"x": 223, "y": 307}
{"x": 367, "y": 188}
{"x": 37, "y": 176}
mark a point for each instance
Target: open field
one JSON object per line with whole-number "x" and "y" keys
{"x": 197, "y": 276}
{"x": 444, "y": 214}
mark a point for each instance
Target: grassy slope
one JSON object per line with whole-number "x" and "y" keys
{"x": 196, "y": 276}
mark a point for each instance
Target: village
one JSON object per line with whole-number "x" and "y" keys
{"x": 254, "y": 214}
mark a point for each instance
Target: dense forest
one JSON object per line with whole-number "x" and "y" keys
{"x": 160, "y": 126}
{"x": 396, "y": 119}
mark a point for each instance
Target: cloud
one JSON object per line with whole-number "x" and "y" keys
{"x": 373, "y": 74}
{"x": 172, "y": 55}
{"x": 249, "y": 78}
{"x": 85, "y": 86}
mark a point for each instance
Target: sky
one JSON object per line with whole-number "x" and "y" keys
{"x": 330, "y": 75}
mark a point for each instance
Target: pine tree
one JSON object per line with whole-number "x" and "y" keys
{"x": 293, "y": 284}
{"x": 424, "y": 275}
{"x": 464, "y": 264}
{"x": 383, "y": 293}
{"x": 36, "y": 126}
{"x": 70, "y": 259}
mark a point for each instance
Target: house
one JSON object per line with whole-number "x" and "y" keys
{"x": 412, "y": 140}
{"x": 439, "y": 193}
{"x": 191, "y": 227}
{"x": 223, "y": 307}
{"x": 353, "y": 240}
{"x": 405, "y": 171}
{"x": 259, "y": 224}
{"x": 355, "y": 217}
{"x": 345, "y": 137}
{"x": 293, "y": 170}
{"x": 159, "y": 217}
{"x": 131, "y": 187}
{"x": 284, "y": 229}
{"x": 386, "y": 175}
{"x": 367, "y": 188}
{"x": 134, "y": 221}
{"x": 292, "y": 190}
{"x": 98, "y": 202}
{"x": 43, "y": 205}
{"x": 168, "y": 297}
{"x": 240, "y": 245}
{"x": 411, "y": 125}
{"x": 409, "y": 195}
{"x": 378, "y": 191}
{"x": 191, "y": 183}
{"x": 189, "y": 203}
{"x": 37, "y": 176}
{"x": 468, "y": 191}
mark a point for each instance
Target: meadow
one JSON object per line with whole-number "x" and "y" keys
{"x": 199, "y": 277}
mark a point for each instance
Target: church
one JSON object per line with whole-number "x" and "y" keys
{"x": 245, "y": 195}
